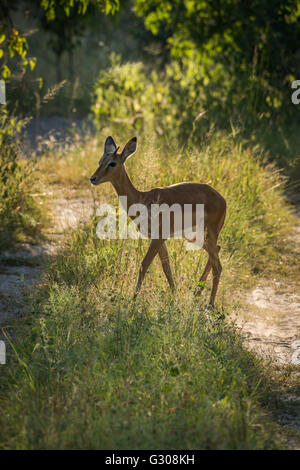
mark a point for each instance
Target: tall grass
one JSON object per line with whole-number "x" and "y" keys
{"x": 20, "y": 211}
{"x": 102, "y": 371}
{"x": 258, "y": 216}
{"x": 108, "y": 374}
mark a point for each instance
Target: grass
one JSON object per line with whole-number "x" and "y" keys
{"x": 106, "y": 374}
{"x": 21, "y": 212}
{"x": 22, "y": 207}
{"x": 258, "y": 216}
{"x": 95, "y": 370}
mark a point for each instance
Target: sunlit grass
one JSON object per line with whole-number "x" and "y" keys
{"x": 164, "y": 371}
{"x": 258, "y": 216}
{"x": 107, "y": 372}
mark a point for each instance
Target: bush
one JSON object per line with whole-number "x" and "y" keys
{"x": 129, "y": 96}
{"x": 186, "y": 98}
{"x": 20, "y": 214}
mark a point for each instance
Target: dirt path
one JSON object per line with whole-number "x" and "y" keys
{"x": 270, "y": 324}
{"x": 21, "y": 268}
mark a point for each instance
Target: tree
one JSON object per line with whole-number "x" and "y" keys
{"x": 254, "y": 42}
{"x": 14, "y": 45}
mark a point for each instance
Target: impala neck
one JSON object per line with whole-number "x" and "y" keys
{"x": 124, "y": 187}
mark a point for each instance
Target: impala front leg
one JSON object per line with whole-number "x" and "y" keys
{"x": 151, "y": 253}
{"x": 164, "y": 258}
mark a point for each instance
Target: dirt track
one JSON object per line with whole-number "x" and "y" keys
{"x": 20, "y": 269}
{"x": 270, "y": 324}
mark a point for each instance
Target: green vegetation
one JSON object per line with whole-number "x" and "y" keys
{"x": 99, "y": 371}
{"x": 14, "y": 46}
{"x": 202, "y": 86}
{"x": 228, "y": 66}
{"x": 134, "y": 96}
{"x": 20, "y": 212}
{"x": 258, "y": 216}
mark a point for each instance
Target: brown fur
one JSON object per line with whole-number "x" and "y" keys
{"x": 181, "y": 193}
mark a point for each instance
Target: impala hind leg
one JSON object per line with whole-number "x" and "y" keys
{"x": 213, "y": 250}
{"x": 153, "y": 249}
{"x": 164, "y": 258}
{"x": 205, "y": 274}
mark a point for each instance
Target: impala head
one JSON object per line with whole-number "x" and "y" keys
{"x": 111, "y": 162}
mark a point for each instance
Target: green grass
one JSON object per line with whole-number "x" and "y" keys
{"x": 258, "y": 216}
{"x": 107, "y": 374}
{"x": 95, "y": 370}
{"x": 21, "y": 213}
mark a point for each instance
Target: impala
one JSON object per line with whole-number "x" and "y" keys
{"x": 111, "y": 168}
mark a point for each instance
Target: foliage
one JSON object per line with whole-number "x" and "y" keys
{"x": 14, "y": 44}
{"x": 124, "y": 96}
{"x": 70, "y": 24}
{"x": 131, "y": 96}
{"x": 244, "y": 37}
{"x": 183, "y": 100}
{"x": 20, "y": 213}
{"x": 51, "y": 7}
{"x": 247, "y": 55}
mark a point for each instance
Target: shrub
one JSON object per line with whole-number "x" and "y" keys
{"x": 128, "y": 96}
{"x": 20, "y": 214}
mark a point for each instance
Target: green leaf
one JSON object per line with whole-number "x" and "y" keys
{"x": 32, "y": 63}
{"x": 5, "y": 72}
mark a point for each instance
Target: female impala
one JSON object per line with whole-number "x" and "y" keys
{"x": 111, "y": 168}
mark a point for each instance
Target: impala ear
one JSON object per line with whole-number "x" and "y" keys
{"x": 129, "y": 149}
{"x": 110, "y": 146}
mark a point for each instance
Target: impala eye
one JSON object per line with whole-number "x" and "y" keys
{"x": 111, "y": 164}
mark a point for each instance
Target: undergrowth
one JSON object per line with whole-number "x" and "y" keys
{"x": 94, "y": 369}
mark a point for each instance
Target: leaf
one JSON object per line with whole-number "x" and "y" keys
{"x": 32, "y": 63}
{"x": 37, "y": 346}
{"x": 5, "y": 72}
{"x": 201, "y": 284}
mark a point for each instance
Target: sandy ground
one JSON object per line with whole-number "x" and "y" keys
{"x": 271, "y": 318}
{"x": 270, "y": 323}
{"x": 22, "y": 268}
{"x": 50, "y": 132}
